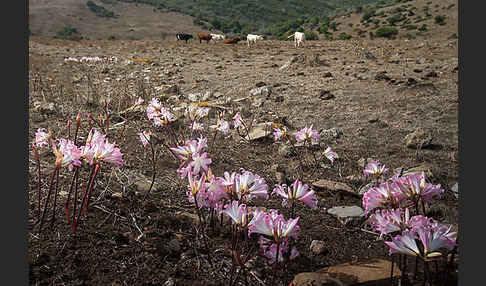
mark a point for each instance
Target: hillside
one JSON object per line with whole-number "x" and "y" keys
{"x": 150, "y": 19}
{"x": 134, "y": 21}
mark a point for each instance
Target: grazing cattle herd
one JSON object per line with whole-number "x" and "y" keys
{"x": 299, "y": 38}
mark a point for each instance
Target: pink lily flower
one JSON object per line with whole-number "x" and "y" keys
{"x": 222, "y": 126}
{"x": 375, "y": 168}
{"x": 308, "y": 134}
{"x": 331, "y": 155}
{"x": 381, "y": 196}
{"x": 238, "y": 121}
{"x": 199, "y": 162}
{"x": 67, "y": 155}
{"x": 238, "y": 213}
{"x": 296, "y": 192}
{"x": 42, "y": 138}
{"x": 144, "y": 137}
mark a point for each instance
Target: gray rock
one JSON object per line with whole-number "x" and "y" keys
{"x": 365, "y": 188}
{"x": 347, "y": 215}
{"x": 418, "y": 139}
{"x": 332, "y": 186}
{"x": 317, "y": 247}
{"x": 260, "y": 130}
{"x": 264, "y": 90}
{"x": 170, "y": 282}
{"x": 326, "y": 94}
{"x": 332, "y": 133}
{"x": 362, "y": 162}
{"x": 45, "y": 108}
{"x": 455, "y": 190}
{"x": 315, "y": 279}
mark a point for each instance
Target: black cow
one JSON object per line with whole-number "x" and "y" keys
{"x": 183, "y": 37}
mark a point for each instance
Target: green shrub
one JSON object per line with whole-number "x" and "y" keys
{"x": 372, "y": 36}
{"x": 344, "y": 36}
{"x": 423, "y": 28}
{"x": 410, "y": 27}
{"x": 100, "y": 11}
{"x": 395, "y": 19}
{"x": 69, "y": 33}
{"x": 453, "y": 36}
{"x": 367, "y": 15}
{"x": 439, "y": 19}
{"x": 311, "y": 36}
{"x": 386, "y": 32}
{"x": 409, "y": 36}
{"x": 112, "y": 37}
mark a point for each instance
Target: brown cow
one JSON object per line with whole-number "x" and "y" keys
{"x": 232, "y": 41}
{"x": 203, "y": 36}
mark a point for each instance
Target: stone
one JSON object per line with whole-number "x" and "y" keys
{"x": 332, "y": 133}
{"x": 260, "y": 130}
{"x": 325, "y": 95}
{"x": 317, "y": 247}
{"x": 455, "y": 190}
{"x": 260, "y": 84}
{"x": 382, "y": 76}
{"x": 170, "y": 282}
{"x": 411, "y": 81}
{"x": 315, "y": 279}
{"x": 426, "y": 168}
{"x": 327, "y": 74}
{"x": 365, "y": 188}
{"x": 264, "y": 90}
{"x": 418, "y": 139}
{"x": 45, "y": 108}
{"x": 332, "y": 186}
{"x": 347, "y": 215}
{"x": 143, "y": 186}
{"x": 374, "y": 272}
{"x": 432, "y": 74}
{"x": 362, "y": 162}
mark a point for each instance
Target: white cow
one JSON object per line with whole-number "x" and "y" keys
{"x": 299, "y": 37}
{"x": 253, "y": 38}
{"x": 216, "y": 37}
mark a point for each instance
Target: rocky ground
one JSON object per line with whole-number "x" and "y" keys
{"x": 395, "y": 101}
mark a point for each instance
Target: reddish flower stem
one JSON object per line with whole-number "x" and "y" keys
{"x": 54, "y": 207}
{"x": 66, "y": 204}
{"x": 47, "y": 199}
{"x": 90, "y": 188}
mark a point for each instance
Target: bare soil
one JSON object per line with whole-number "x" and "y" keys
{"x": 374, "y": 115}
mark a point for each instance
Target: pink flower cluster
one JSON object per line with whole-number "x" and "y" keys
{"x": 159, "y": 114}
{"x": 192, "y": 160}
{"x": 96, "y": 150}
{"x": 399, "y": 190}
{"x": 275, "y": 233}
{"x": 423, "y": 240}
